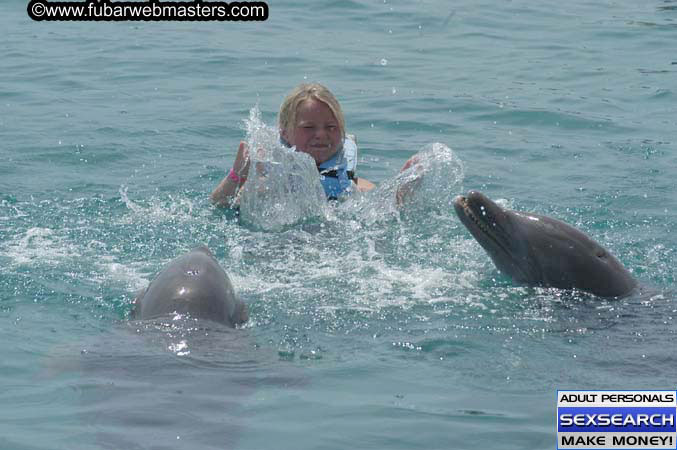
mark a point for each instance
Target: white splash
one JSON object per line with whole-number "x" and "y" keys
{"x": 40, "y": 246}
{"x": 432, "y": 180}
{"x": 283, "y": 187}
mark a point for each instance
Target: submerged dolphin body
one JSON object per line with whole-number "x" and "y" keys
{"x": 192, "y": 284}
{"x": 539, "y": 250}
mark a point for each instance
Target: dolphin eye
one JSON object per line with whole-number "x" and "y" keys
{"x": 600, "y": 253}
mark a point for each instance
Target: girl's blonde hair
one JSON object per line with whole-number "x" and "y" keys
{"x": 303, "y": 92}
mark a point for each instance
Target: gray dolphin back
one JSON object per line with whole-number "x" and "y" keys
{"x": 570, "y": 259}
{"x": 193, "y": 284}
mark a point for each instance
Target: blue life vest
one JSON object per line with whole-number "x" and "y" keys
{"x": 337, "y": 172}
{"x": 335, "y": 177}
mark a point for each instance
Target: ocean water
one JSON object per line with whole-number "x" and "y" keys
{"x": 371, "y": 327}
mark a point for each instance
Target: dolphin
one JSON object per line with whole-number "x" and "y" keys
{"x": 192, "y": 284}
{"x": 542, "y": 251}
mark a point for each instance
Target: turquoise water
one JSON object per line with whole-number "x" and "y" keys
{"x": 370, "y": 329}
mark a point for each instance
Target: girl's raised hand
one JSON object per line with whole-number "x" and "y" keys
{"x": 241, "y": 164}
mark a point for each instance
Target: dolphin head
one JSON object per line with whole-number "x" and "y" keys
{"x": 539, "y": 250}
{"x": 193, "y": 284}
{"x": 497, "y": 230}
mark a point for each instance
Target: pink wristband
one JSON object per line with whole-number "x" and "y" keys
{"x": 233, "y": 176}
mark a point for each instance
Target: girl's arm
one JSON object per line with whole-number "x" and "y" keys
{"x": 226, "y": 192}
{"x": 364, "y": 185}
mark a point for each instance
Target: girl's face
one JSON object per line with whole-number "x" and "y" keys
{"x": 316, "y": 132}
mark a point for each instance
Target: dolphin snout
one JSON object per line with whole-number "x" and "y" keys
{"x": 471, "y": 199}
{"x": 477, "y": 196}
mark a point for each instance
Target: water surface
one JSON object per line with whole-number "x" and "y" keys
{"x": 371, "y": 328}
